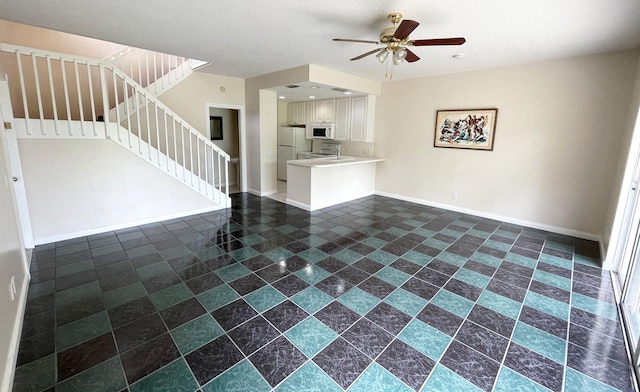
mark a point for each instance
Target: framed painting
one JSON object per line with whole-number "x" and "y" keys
{"x": 215, "y": 125}
{"x": 473, "y": 129}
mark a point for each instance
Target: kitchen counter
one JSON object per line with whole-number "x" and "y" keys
{"x": 318, "y": 183}
{"x": 333, "y": 161}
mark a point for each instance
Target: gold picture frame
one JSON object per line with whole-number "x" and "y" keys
{"x": 472, "y": 129}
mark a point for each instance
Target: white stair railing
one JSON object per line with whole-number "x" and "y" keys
{"x": 157, "y": 72}
{"x": 65, "y": 96}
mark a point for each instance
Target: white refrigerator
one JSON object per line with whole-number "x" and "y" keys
{"x": 291, "y": 141}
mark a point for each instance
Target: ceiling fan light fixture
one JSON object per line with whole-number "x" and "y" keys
{"x": 382, "y": 56}
{"x": 399, "y": 54}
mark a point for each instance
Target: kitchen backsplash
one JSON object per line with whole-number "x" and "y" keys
{"x": 356, "y": 149}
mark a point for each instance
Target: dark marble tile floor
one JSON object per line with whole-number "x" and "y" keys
{"x": 372, "y": 295}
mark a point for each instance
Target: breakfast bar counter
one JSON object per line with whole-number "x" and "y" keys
{"x": 313, "y": 184}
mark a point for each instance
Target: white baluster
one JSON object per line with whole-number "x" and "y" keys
{"x": 198, "y": 157}
{"x": 184, "y": 158}
{"x": 53, "y": 97}
{"x": 92, "y": 100}
{"x": 80, "y": 108}
{"x": 38, "y": 93}
{"x": 128, "y": 109}
{"x": 24, "y": 93}
{"x": 117, "y": 107}
{"x": 105, "y": 100}
{"x": 155, "y": 106}
{"x": 146, "y": 109}
{"x": 226, "y": 177}
{"x": 155, "y": 75}
{"x": 175, "y": 145}
{"x": 63, "y": 69}
{"x": 166, "y": 137}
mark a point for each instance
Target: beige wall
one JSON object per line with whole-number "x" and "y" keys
{"x": 39, "y": 38}
{"x": 559, "y": 132}
{"x": 190, "y": 97}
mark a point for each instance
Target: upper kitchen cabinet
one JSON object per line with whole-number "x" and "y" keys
{"x": 358, "y": 131}
{"x": 296, "y": 113}
{"x": 311, "y": 115}
{"x": 354, "y": 118}
{"x": 325, "y": 110}
{"x": 343, "y": 118}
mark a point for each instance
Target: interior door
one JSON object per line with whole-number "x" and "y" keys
{"x": 18, "y": 188}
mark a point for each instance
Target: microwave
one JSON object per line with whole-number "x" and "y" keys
{"x": 323, "y": 131}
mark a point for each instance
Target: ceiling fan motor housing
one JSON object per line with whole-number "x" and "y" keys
{"x": 386, "y": 35}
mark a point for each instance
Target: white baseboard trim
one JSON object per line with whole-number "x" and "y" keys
{"x": 254, "y": 192}
{"x": 294, "y": 203}
{"x": 14, "y": 343}
{"x": 262, "y": 194}
{"x": 515, "y": 221}
{"x": 104, "y": 229}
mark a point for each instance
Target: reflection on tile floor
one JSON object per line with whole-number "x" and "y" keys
{"x": 372, "y": 295}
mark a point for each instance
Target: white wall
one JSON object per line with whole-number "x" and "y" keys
{"x": 268, "y": 141}
{"x": 12, "y": 264}
{"x": 75, "y": 187}
{"x": 559, "y": 130}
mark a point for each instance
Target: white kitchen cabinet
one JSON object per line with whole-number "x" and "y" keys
{"x": 296, "y": 113}
{"x": 324, "y": 111}
{"x": 343, "y": 118}
{"x": 310, "y": 114}
{"x": 358, "y": 130}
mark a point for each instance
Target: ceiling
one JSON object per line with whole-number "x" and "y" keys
{"x": 247, "y": 38}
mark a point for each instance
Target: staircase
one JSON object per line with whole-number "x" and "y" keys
{"x": 65, "y": 96}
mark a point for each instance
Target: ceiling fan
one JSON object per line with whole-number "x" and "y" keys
{"x": 396, "y": 39}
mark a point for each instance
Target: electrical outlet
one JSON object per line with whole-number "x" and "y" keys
{"x": 12, "y": 288}
{"x": 454, "y": 196}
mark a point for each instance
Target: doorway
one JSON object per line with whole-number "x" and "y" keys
{"x": 226, "y": 129}
{"x": 623, "y": 257}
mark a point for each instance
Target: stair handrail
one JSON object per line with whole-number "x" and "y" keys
{"x": 138, "y": 89}
{"x": 147, "y": 72}
{"x": 62, "y": 56}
